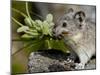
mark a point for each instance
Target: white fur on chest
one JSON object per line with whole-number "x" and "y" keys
{"x": 77, "y": 37}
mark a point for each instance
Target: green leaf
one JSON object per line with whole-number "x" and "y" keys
{"x": 36, "y": 25}
{"x": 33, "y": 23}
{"x": 32, "y": 33}
{"x": 23, "y": 29}
{"x": 45, "y": 28}
{"x": 49, "y": 18}
{"x": 59, "y": 45}
{"x": 51, "y": 25}
{"x": 33, "y": 30}
{"x": 27, "y": 36}
{"x": 28, "y": 21}
{"x": 36, "y": 45}
{"x": 39, "y": 23}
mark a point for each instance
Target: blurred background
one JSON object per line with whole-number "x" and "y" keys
{"x": 37, "y": 10}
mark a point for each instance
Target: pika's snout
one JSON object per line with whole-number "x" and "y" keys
{"x": 60, "y": 32}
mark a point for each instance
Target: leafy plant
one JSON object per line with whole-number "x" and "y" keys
{"x": 37, "y": 34}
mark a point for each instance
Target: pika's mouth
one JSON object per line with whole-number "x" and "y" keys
{"x": 62, "y": 35}
{"x": 65, "y": 33}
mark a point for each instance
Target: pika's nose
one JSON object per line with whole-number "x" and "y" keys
{"x": 55, "y": 35}
{"x": 60, "y": 36}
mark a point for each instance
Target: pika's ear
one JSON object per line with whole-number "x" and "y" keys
{"x": 80, "y": 16}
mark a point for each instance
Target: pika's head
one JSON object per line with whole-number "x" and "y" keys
{"x": 70, "y": 24}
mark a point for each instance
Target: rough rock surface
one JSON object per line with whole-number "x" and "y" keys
{"x": 52, "y": 62}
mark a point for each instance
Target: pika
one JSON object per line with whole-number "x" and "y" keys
{"x": 79, "y": 33}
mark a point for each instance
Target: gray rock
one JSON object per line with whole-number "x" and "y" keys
{"x": 50, "y": 61}
{"x": 91, "y": 64}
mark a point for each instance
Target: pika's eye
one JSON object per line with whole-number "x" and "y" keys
{"x": 64, "y": 24}
{"x": 80, "y": 25}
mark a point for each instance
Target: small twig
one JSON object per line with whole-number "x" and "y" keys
{"x": 19, "y": 12}
{"x": 20, "y": 50}
{"x": 27, "y": 10}
{"x": 17, "y": 21}
{"x": 33, "y": 13}
{"x": 30, "y": 44}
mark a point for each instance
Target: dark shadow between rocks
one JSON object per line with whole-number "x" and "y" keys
{"x": 57, "y": 54}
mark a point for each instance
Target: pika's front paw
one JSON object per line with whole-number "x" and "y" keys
{"x": 79, "y": 66}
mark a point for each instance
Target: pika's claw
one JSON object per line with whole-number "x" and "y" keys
{"x": 79, "y": 66}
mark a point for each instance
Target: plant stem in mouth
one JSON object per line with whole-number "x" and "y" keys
{"x": 48, "y": 42}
